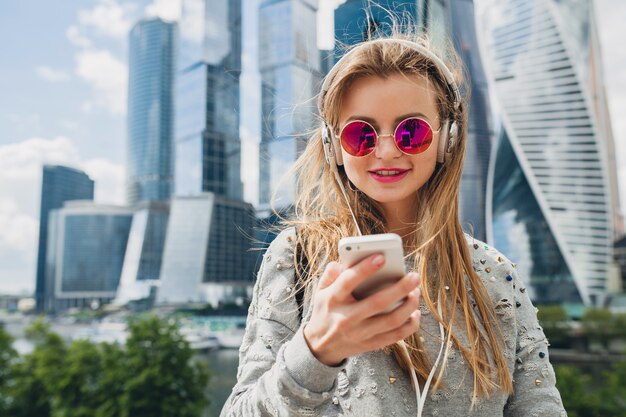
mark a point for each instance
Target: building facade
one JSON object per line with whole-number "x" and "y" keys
{"x": 553, "y": 202}
{"x": 207, "y": 257}
{"x": 289, "y": 63}
{"x": 151, "y": 65}
{"x": 59, "y": 184}
{"x": 208, "y": 145}
{"x": 144, "y": 253}
{"x": 86, "y": 248}
{"x": 445, "y": 21}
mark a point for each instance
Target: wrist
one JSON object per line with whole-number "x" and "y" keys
{"x": 316, "y": 349}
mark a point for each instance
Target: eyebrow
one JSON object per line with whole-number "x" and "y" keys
{"x": 398, "y": 119}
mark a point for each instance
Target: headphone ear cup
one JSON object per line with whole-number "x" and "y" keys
{"x": 326, "y": 145}
{"x": 332, "y": 147}
{"x": 443, "y": 140}
{"x": 337, "y": 149}
{"x": 454, "y": 133}
{"x": 447, "y": 140}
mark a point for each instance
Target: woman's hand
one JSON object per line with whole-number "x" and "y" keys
{"x": 341, "y": 326}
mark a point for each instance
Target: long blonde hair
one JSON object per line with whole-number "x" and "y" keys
{"x": 441, "y": 255}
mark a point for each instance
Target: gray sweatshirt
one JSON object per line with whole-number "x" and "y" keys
{"x": 279, "y": 376}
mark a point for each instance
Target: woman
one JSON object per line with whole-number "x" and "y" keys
{"x": 466, "y": 323}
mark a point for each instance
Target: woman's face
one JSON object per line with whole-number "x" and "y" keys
{"x": 383, "y": 103}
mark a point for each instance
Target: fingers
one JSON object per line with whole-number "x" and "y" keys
{"x": 385, "y": 322}
{"x": 399, "y": 333}
{"x": 331, "y": 272}
{"x": 353, "y": 276}
{"x": 381, "y": 300}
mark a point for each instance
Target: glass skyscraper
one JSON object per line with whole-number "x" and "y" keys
{"x": 208, "y": 146}
{"x": 151, "y": 64}
{"x": 59, "y": 184}
{"x": 443, "y": 20}
{"x": 553, "y": 174}
{"x": 86, "y": 249}
{"x": 289, "y": 63}
{"x": 207, "y": 257}
{"x": 144, "y": 252}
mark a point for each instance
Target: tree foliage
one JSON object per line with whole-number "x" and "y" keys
{"x": 152, "y": 375}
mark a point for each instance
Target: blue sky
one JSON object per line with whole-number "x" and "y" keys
{"x": 63, "y": 79}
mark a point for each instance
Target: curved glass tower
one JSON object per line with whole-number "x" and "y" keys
{"x": 150, "y": 170}
{"x": 552, "y": 195}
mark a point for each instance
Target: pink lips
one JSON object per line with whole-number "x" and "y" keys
{"x": 388, "y": 178}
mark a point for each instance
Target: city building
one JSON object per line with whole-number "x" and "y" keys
{"x": 151, "y": 69}
{"x": 85, "y": 254}
{"x": 444, "y": 21}
{"x": 144, "y": 253}
{"x": 59, "y": 184}
{"x": 207, "y": 255}
{"x": 553, "y": 186}
{"x": 208, "y": 145}
{"x": 289, "y": 63}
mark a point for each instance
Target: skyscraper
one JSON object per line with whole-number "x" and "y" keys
{"x": 151, "y": 64}
{"x": 144, "y": 252}
{"x": 207, "y": 257}
{"x": 86, "y": 249}
{"x": 59, "y": 184}
{"x": 443, "y": 20}
{"x": 553, "y": 173}
{"x": 208, "y": 146}
{"x": 290, "y": 78}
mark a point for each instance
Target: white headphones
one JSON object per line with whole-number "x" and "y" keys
{"x": 449, "y": 129}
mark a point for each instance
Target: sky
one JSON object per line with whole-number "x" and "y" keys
{"x": 63, "y": 80}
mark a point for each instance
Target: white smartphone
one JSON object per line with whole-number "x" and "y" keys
{"x": 354, "y": 249}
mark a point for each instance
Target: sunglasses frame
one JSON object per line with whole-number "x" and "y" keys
{"x": 378, "y": 136}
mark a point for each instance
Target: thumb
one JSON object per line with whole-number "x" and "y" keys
{"x": 332, "y": 271}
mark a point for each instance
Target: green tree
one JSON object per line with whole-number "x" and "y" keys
{"x": 554, "y": 320}
{"x": 34, "y": 375}
{"x": 7, "y": 358}
{"x": 113, "y": 360}
{"x": 77, "y": 391}
{"x": 612, "y": 393}
{"x": 573, "y": 385}
{"x": 597, "y": 325}
{"x": 161, "y": 379}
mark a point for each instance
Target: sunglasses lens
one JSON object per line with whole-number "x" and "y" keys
{"x": 358, "y": 138}
{"x": 413, "y": 136}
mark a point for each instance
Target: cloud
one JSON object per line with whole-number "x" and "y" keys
{"x": 108, "y": 77}
{"x": 165, "y": 9}
{"x": 17, "y": 230}
{"x": 73, "y": 34}
{"x": 51, "y": 74}
{"x": 109, "y": 18}
{"x": 109, "y": 178}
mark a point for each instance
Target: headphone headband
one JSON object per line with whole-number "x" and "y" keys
{"x": 441, "y": 66}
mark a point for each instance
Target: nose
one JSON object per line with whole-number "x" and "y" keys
{"x": 386, "y": 147}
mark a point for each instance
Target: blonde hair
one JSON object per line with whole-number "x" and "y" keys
{"x": 441, "y": 255}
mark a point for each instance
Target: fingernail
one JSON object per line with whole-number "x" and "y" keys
{"x": 378, "y": 260}
{"x": 415, "y": 278}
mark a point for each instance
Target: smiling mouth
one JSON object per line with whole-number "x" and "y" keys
{"x": 389, "y": 172}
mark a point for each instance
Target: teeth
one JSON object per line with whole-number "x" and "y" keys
{"x": 387, "y": 173}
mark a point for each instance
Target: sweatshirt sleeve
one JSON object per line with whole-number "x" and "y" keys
{"x": 278, "y": 375}
{"x": 534, "y": 390}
